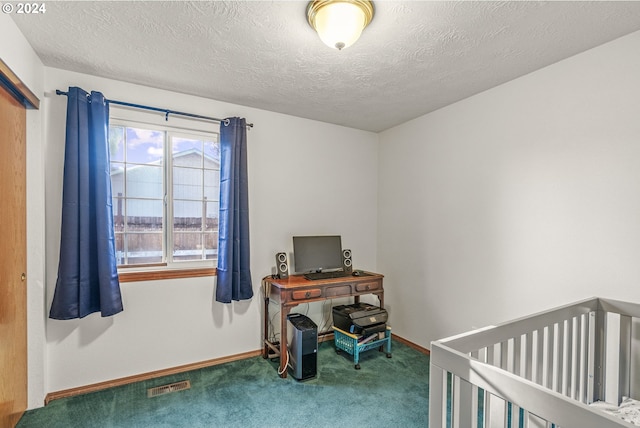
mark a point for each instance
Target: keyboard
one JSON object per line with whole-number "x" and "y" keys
{"x": 326, "y": 275}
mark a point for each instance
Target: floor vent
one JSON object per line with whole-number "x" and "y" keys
{"x": 166, "y": 389}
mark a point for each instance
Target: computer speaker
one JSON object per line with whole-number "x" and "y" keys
{"x": 347, "y": 264}
{"x": 282, "y": 267}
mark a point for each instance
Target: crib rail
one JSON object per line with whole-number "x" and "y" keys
{"x": 537, "y": 371}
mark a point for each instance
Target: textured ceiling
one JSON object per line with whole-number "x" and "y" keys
{"x": 415, "y": 57}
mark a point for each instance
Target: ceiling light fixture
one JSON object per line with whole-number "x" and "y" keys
{"x": 339, "y": 23}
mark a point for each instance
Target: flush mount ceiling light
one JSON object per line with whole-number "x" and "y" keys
{"x": 339, "y": 23}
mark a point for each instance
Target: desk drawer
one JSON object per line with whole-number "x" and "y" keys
{"x": 306, "y": 294}
{"x": 368, "y": 286}
{"x": 338, "y": 290}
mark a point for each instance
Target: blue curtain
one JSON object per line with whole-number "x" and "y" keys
{"x": 87, "y": 271}
{"x": 234, "y": 275}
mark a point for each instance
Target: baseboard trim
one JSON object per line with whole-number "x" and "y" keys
{"x": 410, "y": 344}
{"x": 185, "y": 368}
{"x": 146, "y": 376}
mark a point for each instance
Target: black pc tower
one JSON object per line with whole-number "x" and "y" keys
{"x": 302, "y": 344}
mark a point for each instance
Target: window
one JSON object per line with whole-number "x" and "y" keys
{"x": 165, "y": 185}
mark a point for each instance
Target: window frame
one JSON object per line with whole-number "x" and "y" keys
{"x": 181, "y": 128}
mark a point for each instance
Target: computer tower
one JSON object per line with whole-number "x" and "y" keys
{"x": 302, "y": 343}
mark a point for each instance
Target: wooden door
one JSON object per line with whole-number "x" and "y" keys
{"x": 13, "y": 261}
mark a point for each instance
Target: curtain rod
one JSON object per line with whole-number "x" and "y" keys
{"x": 166, "y": 112}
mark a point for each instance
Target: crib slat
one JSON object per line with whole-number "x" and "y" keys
{"x": 490, "y": 355}
{"x": 559, "y": 359}
{"x": 612, "y": 358}
{"x": 437, "y": 397}
{"x": 567, "y": 369}
{"x": 495, "y": 355}
{"x": 529, "y": 358}
{"x": 504, "y": 355}
{"x": 508, "y": 360}
{"x": 624, "y": 373}
{"x": 597, "y": 332}
{"x": 534, "y": 421}
{"x": 515, "y": 416}
{"x": 529, "y": 420}
{"x": 475, "y": 406}
{"x": 495, "y": 412}
{"x": 635, "y": 359}
{"x": 591, "y": 357}
{"x": 482, "y": 355}
{"x": 538, "y": 375}
{"x": 618, "y": 346}
{"x": 575, "y": 359}
{"x": 517, "y": 356}
{"x": 583, "y": 356}
{"x": 549, "y": 338}
{"x": 461, "y": 405}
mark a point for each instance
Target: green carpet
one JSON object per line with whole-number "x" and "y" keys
{"x": 385, "y": 392}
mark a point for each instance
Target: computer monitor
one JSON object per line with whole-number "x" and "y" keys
{"x": 317, "y": 253}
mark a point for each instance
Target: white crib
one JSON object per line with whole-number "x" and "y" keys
{"x": 539, "y": 371}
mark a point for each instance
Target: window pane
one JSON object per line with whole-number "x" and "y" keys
{"x": 118, "y": 214}
{"x": 212, "y": 215}
{"x": 143, "y": 215}
{"x": 187, "y": 215}
{"x": 144, "y": 248}
{"x": 212, "y": 185}
{"x": 187, "y": 183}
{"x": 116, "y": 143}
{"x": 211, "y": 245}
{"x": 117, "y": 178}
{"x": 144, "y": 145}
{"x": 119, "y": 237}
{"x": 144, "y": 181}
{"x": 186, "y": 152}
{"x": 212, "y": 152}
{"x": 187, "y": 246}
{"x": 140, "y": 183}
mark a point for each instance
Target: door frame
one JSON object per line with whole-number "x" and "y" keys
{"x": 18, "y": 97}
{"x": 16, "y": 87}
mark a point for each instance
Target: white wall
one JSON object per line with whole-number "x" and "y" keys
{"x": 305, "y": 177}
{"x": 518, "y": 199}
{"x": 20, "y": 57}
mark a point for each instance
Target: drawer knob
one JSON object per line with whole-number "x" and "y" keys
{"x": 367, "y": 287}
{"x": 307, "y": 294}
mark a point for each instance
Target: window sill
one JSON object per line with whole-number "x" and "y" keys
{"x": 165, "y": 274}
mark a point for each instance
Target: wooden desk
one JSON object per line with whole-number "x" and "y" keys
{"x": 296, "y": 289}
